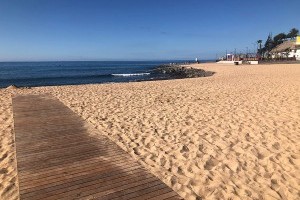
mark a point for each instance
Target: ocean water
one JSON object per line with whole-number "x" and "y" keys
{"x": 32, "y": 74}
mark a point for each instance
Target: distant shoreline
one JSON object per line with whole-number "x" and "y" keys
{"x": 82, "y": 73}
{"x": 162, "y": 72}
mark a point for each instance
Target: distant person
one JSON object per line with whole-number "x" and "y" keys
{"x": 197, "y": 61}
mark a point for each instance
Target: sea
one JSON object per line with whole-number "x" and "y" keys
{"x": 31, "y": 74}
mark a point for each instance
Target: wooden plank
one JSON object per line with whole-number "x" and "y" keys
{"x": 71, "y": 165}
{"x": 73, "y": 172}
{"x": 70, "y": 168}
{"x": 73, "y": 183}
{"x": 57, "y": 158}
{"x": 85, "y": 187}
{"x": 64, "y": 177}
{"x": 134, "y": 192}
{"x": 74, "y": 159}
{"x": 80, "y": 179}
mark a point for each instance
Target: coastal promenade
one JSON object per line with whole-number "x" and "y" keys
{"x": 58, "y": 158}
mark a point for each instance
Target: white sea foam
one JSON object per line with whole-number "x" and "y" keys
{"x": 136, "y": 74}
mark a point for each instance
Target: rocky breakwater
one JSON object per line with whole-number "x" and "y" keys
{"x": 179, "y": 72}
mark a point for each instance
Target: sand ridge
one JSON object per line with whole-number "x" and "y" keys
{"x": 234, "y": 135}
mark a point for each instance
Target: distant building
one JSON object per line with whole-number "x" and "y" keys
{"x": 229, "y": 57}
{"x": 298, "y": 47}
{"x": 287, "y": 49}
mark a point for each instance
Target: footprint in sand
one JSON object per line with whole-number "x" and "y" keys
{"x": 173, "y": 180}
{"x": 212, "y": 162}
{"x": 163, "y": 161}
{"x": 201, "y": 147}
{"x": 274, "y": 184}
{"x": 260, "y": 156}
{"x": 3, "y": 171}
{"x": 276, "y": 146}
{"x": 136, "y": 151}
{"x": 184, "y": 149}
{"x": 262, "y": 153}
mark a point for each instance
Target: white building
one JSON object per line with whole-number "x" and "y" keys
{"x": 287, "y": 49}
{"x": 298, "y": 48}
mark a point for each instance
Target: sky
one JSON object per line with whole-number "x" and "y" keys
{"x": 67, "y": 30}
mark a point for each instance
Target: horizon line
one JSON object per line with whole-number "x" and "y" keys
{"x": 105, "y": 60}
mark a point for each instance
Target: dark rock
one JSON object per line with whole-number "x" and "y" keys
{"x": 177, "y": 71}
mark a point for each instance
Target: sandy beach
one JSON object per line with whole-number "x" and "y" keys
{"x": 234, "y": 135}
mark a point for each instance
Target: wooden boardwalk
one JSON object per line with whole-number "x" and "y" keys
{"x": 57, "y": 158}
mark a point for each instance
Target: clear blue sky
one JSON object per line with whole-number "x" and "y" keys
{"x": 137, "y": 29}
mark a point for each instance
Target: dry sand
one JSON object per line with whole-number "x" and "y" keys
{"x": 235, "y": 135}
